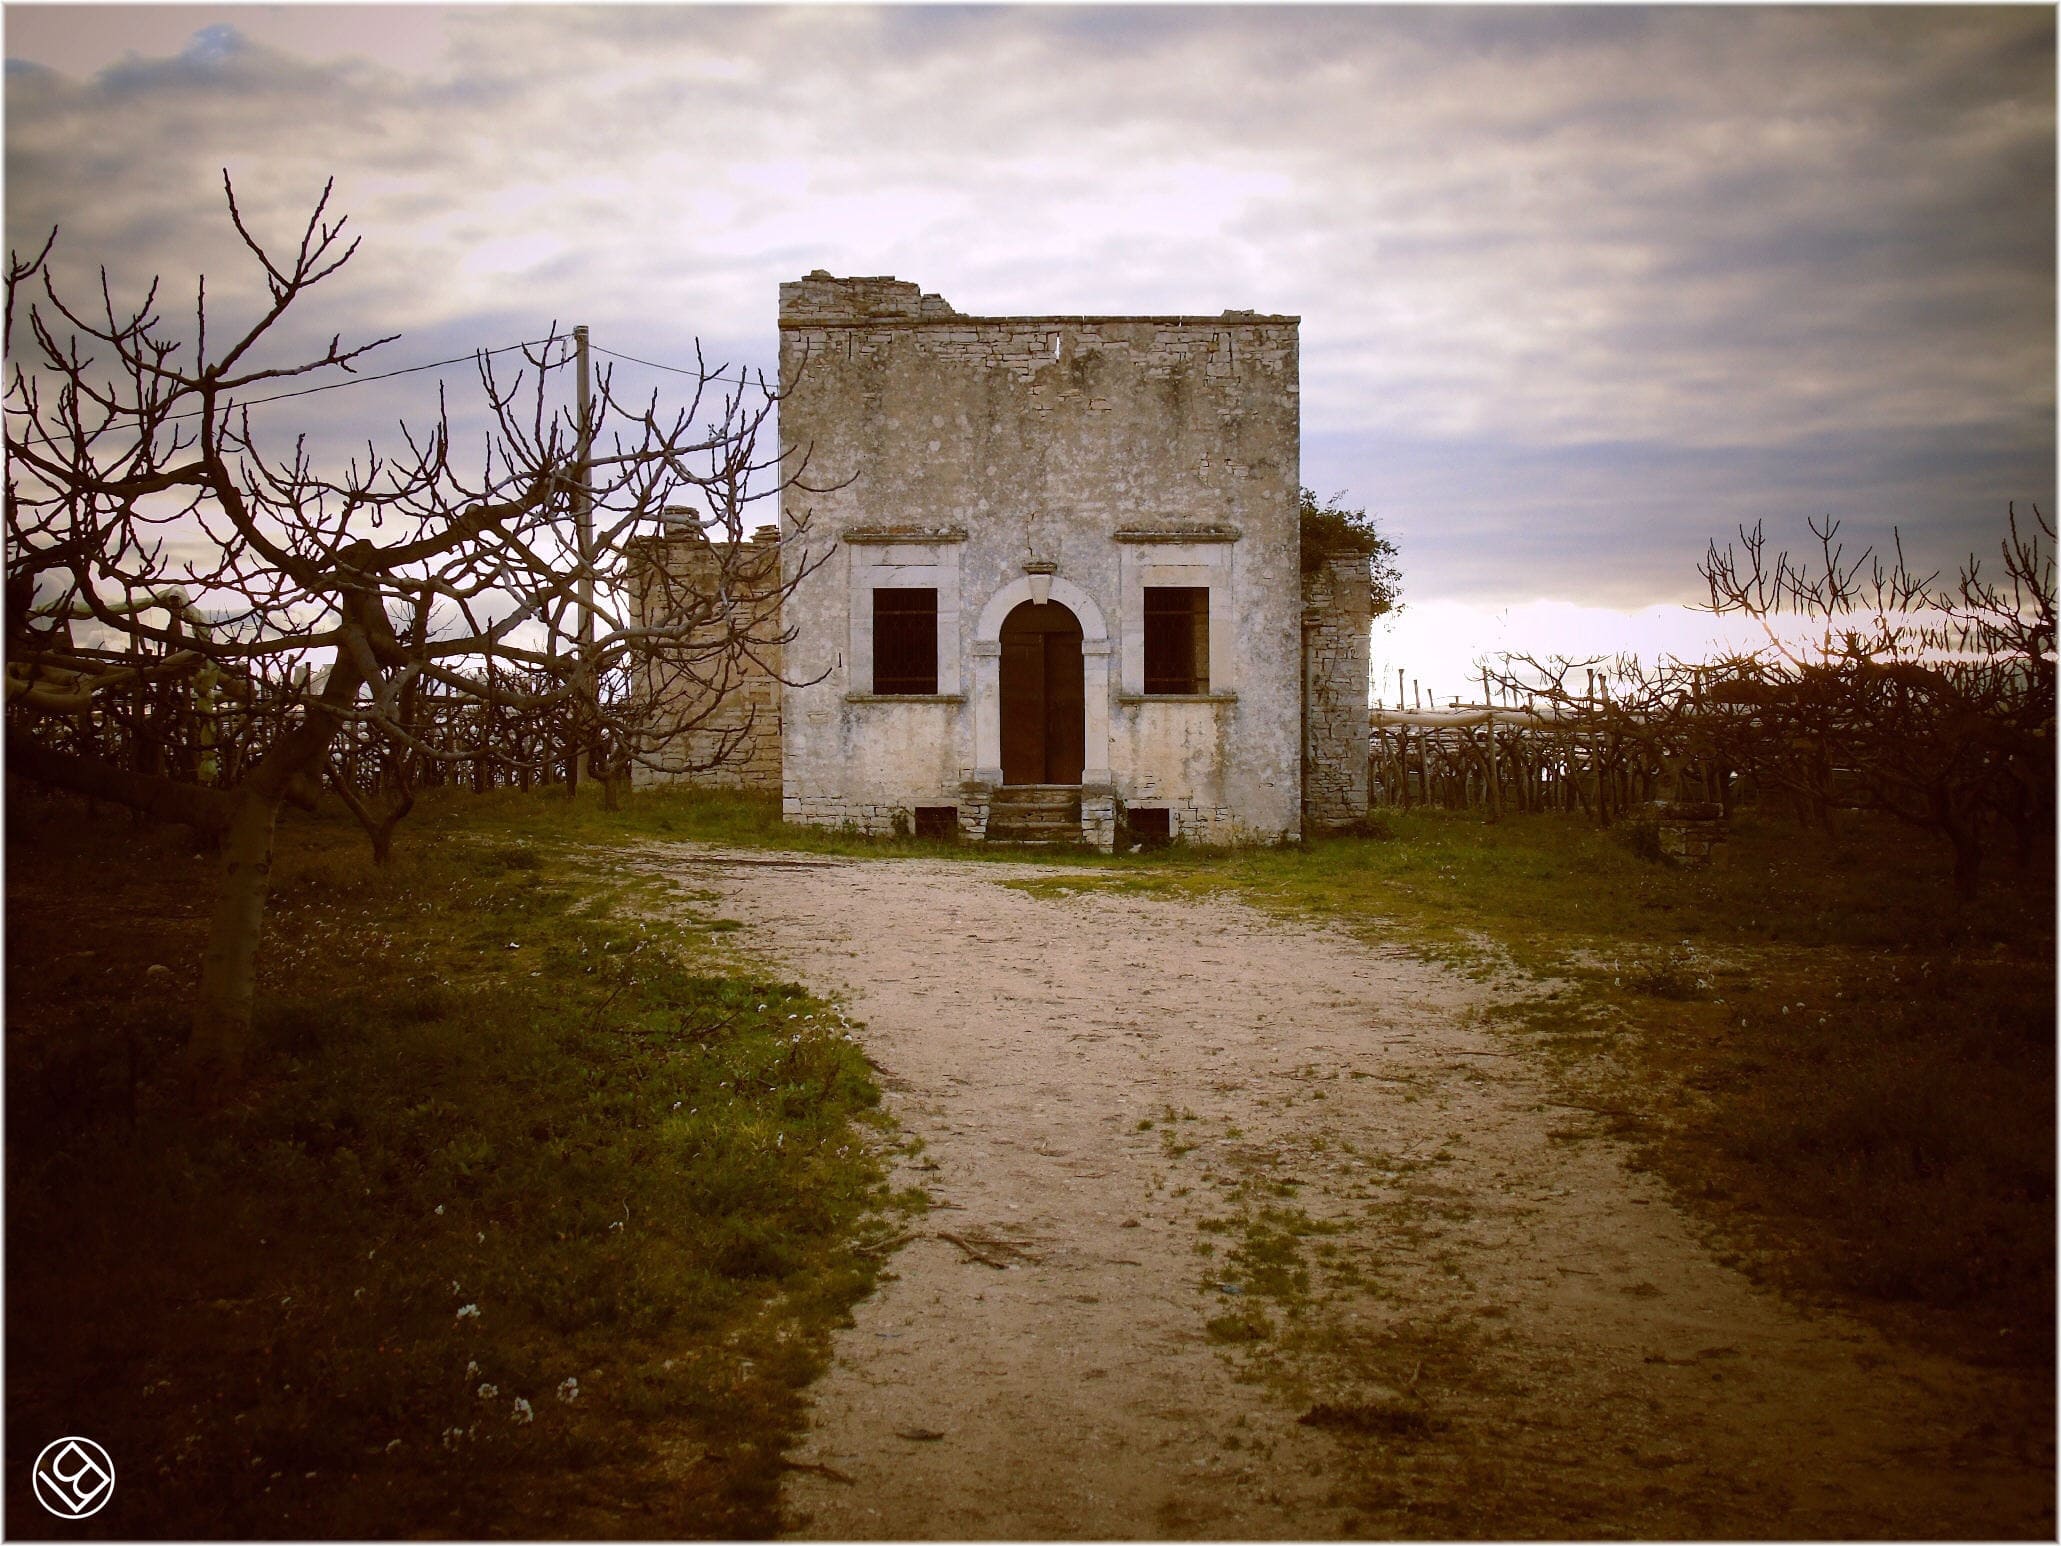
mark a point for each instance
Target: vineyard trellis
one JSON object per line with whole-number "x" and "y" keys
{"x": 1495, "y": 757}
{"x": 1929, "y": 702}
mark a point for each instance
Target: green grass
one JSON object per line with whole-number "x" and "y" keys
{"x": 509, "y": 1127}
{"x": 675, "y": 813}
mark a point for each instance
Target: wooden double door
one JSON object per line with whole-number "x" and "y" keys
{"x": 1044, "y": 710}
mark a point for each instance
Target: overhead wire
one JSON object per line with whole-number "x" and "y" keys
{"x": 356, "y": 379}
{"x": 681, "y": 370}
{"x": 353, "y": 379}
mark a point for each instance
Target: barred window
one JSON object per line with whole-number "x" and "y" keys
{"x": 905, "y": 640}
{"x": 1176, "y": 638}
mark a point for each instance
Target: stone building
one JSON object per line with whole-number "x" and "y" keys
{"x": 1045, "y": 579}
{"x": 1337, "y": 655}
{"x": 714, "y": 708}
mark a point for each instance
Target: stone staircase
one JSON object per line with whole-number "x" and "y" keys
{"x": 1035, "y": 814}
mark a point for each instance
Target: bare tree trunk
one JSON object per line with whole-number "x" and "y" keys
{"x": 397, "y": 799}
{"x": 228, "y": 972}
{"x": 220, "y": 1038}
{"x": 1963, "y": 829}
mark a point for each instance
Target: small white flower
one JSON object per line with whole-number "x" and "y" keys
{"x": 488, "y": 1392}
{"x": 454, "y": 1285}
{"x": 483, "y": 1237}
{"x": 468, "y": 1312}
{"x": 569, "y": 1389}
{"x": 472, "y": 1368}
{"x": 440, "y": 1210}
{"x": 522, "y": 1412}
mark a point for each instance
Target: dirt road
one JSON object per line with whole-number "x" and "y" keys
{"x": 1200, "y": 1172}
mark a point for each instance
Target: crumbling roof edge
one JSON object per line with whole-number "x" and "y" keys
{"x": 965, "y": 319}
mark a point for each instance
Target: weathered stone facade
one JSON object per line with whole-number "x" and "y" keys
{"x": 1337, "y": 617}
{"x": 1132, "y": 483}
{"x": 1002, "y": 461}
{"x": 715, "y": 719}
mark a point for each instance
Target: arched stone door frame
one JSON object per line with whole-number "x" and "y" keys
{"x": 987, "y": 676}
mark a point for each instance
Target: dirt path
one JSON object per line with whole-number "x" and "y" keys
{"x": 1508, "y": 1332}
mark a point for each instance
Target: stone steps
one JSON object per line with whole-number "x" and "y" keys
{"x": 1035, "y": 814}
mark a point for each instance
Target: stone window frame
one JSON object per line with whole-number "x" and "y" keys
{"x": 1202, "y": 557}
{"x": 888, "y": 559}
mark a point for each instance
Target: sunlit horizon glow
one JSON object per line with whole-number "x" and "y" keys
{"x": 1442, "y": 646}
{"x": 1581, "y": 288}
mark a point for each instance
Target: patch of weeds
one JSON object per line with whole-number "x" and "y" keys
{"x": 1385, "y": 1417}
{"x": 1240, "y": 1327}
{"x": 500, "y": 857}
{"x": 1671, "y": 977}
{"x": 1270, "y": 1254}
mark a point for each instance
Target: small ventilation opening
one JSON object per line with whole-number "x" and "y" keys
{"x": 938, "y": 821}
{"x": 1150, "y": 828}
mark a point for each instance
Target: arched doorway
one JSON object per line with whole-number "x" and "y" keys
{"x": 1044, "y": 738}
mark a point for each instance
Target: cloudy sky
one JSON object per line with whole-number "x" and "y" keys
{"x": 1581, "y": 287}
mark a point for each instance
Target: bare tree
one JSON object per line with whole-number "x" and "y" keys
{"x": 1874, "y": 688}
{"x": 153, "y": 534}
{"x": 1930, "y": 701}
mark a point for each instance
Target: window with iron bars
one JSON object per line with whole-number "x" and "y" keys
{"x": 905, "y": 640}
{"x": 1177, "y": 639}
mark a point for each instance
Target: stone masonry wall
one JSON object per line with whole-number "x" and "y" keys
{"x": 1087, "y": 456}
{"x": 1337, "y": 659}
{"x": 712, "y": 733}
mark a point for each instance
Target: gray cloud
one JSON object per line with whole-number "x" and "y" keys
{"x": 1575, "y": 281}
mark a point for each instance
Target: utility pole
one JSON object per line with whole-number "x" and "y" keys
{"x": 583, "y": 524}
{"x": 1495, "y": 786}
